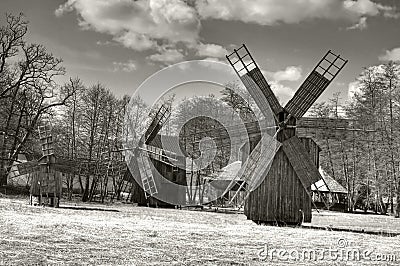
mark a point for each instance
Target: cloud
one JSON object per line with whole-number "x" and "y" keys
{"x": 362, "y": 7}
{"x": 214, "y": 59}
{"x": 105, "y": 43}
{"x": 354, "y": 88}
{"x": 211, "y": 50}
{"x": 284, "y": 93}
{"x": 276, "y": 80}
{"x": 361, "y": 25}
{"x": 167, "y": 56}
{"x": 145, "y": 25}
{"x": 135, "y": 41}
{"x": 270, "y": 12}
{"x": 138, "y": 25}
{"x": 128, "y": 66}
{"x": 290, "y": 73}
{"x": 391, "y": 55}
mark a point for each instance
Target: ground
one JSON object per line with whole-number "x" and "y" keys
{"x": 121, "y": 234}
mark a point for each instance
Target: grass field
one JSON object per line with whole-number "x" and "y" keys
{"x": 126, "y": 235}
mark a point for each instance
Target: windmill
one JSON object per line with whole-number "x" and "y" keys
{"x": 284, "y": 193}
{"x": 143, "y": 161}
{"x": 46, "y": 182}
{"x": 151, "y": 157}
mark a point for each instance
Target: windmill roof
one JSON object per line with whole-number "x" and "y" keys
{"x": 333, "y": 185}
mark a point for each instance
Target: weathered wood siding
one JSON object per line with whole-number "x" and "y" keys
{"x": 281, "y": 196}
{"x": 46, "y": 181}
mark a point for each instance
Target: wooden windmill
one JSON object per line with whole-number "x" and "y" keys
{"x": 152, "y": 158}
{"x": 46, "y": 183}
{"x": 284, "y": 195}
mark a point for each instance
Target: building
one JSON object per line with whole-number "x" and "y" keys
{"x": 329, "y": 191}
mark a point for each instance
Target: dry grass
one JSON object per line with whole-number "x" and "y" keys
{"x": 145, "y": 236}
{"x": 367, "y": 222}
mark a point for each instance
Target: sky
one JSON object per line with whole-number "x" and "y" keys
{"x": 120, "y": 43}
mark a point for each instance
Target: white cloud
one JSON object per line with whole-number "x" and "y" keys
{"x": 167, "y": 56}
{"x": 361, "y": 25}
{"x": 211, "y": 50}
{"x": 128, "y": 66}
{"x": 138, "y": 25}
{"x": 284, "y": 93}
{"x": 275, "y": 79}
{"x": 105, "y": 43}
{"x": 391, "y": 55}
{"x": 362, "y": 7}
{"x": 135, "y": 41}
{"x": 290, "y": 73}
{"x": 144, "y": 25}
{"x": 370, "y": 8}
{"x": 214, "y": 59}
{"x": 354, "y": 88}
{"x": 270, "y": 12}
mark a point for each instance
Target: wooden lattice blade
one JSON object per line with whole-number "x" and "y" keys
{"x": 67, "y": 166}
{"x": 315, "y": 84}
{"x": 159, "y": 154}
{"x": 261, "y": 92}
{"x": 246, "y": 68}
{"x": 301, "y": 162}
{"x": 307, "y": 94}
{"x": 269, "y": 147}
{"x": 146, "y": 175}
{"x": 332, "y": 128}
{"x": 27, "y": 168}
{"x": 157, "y": 123}
{"x": 253, "y": 169}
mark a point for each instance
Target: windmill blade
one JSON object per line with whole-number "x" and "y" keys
{"x": 301, "y": 162}
{"x": 146, "y": 174}
{"x": 161, "y": 155}
{"x": 156, "y": 124}
{"x": 252, "y": 78}
{"x": 253, "y": 171}
{"x": 318, "y": 80}
{"x": 27, "y": 168}
{"x": 46, "y": 138}
{"x": 268, "y": 147}
{"x": 332, "y": 128}
{"x": 67, "y": 166}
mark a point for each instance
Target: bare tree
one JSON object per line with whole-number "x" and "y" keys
{"x": 28, "y": 90}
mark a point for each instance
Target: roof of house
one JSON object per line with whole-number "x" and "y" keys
{"x": 333, "y": 185}
{"x": 228, "y": 172}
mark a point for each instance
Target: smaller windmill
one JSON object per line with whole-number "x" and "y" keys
{"x": 148, "y": 184}
{"x": 46, "y": 183}
{"x": 159, "y": 168}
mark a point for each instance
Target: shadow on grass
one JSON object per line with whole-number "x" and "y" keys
{"x": 353, "y": 230}
{"x": 80, "y": 208}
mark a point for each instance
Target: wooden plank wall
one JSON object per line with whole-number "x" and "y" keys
{"x": 166, "y": 181}
{"x": 281, "y": 196}
{"x": 47, "y": 181}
